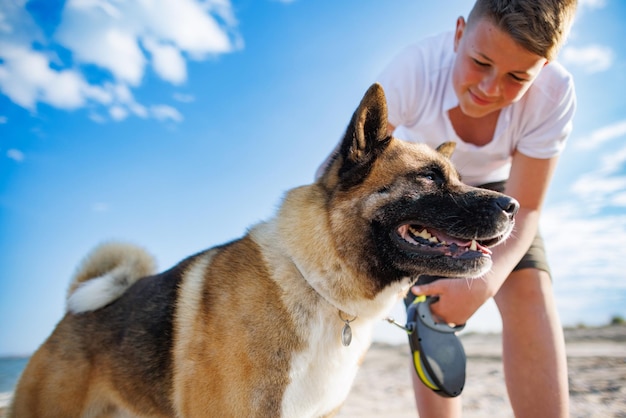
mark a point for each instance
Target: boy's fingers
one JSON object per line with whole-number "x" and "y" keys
{"x": 424, "y": 289}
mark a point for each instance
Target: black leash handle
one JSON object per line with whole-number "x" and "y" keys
{"x": 438, "y": 355}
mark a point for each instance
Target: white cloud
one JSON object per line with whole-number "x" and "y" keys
{"x": 580, "y": 245}
{"x": 111, "y": 48}
{"x": 188, "y": 24}
{"x": 3, "y": 120}
{"x": 592, "y": 59}
{"x": 109, "y": 34}
{"x": 96, "y": 117}
{"x": 118, "y": 113}
{"x": 104, "y": 6}
{"x": 122, "y": 38}
{"x": 602, "y": 135}
{"x": 164, "y": 112}
{"x": 139, "y": 110}
{"x": 587, "y": 256}
{"x": 585, "y": 238}
{"x": 619, "y": 199}
{"x": 597, "y": 185}
{"x": 167, "y": 61}
{"x": 614, "y": 159}
{"x": 122, "y": 103}
{"x": 65, "y": 89}
{"x": 15, "y": 155}
{"x": 26, "y": 78}
{"x": 598, "y": 189}
{"x": 184, "y": 98}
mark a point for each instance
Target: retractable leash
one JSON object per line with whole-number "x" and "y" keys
{"x": 438, "y": 355}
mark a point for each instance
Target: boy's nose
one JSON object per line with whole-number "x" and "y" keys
{"x": 490, "y": 86}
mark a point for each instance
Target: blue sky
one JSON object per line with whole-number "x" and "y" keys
{"x": 177, "y": 124}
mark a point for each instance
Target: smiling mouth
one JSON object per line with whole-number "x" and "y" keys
{"x": 431, "y": 241}
{"x": 479, "y": 100}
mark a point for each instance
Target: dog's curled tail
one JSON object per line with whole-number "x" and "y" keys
{"x": 105, "y": 274}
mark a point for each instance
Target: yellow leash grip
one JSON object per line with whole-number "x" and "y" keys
{"x": 421, "y": 373}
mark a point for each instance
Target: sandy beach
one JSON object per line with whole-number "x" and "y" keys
{"x": 597, "y": 378}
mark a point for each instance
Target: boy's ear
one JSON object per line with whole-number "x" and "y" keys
{"x": 458, "y": 33}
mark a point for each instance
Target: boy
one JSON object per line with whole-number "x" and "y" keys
{"x": 493, "y": 88}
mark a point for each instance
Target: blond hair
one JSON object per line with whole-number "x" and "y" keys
{"x": 539, "y": 26}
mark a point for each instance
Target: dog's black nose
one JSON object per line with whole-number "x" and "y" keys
{"x": 508, "y": 205}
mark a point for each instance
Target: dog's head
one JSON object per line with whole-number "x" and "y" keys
{"x": 399, "y": 209}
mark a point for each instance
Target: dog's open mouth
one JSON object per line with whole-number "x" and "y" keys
{"x": 431, "y": 241}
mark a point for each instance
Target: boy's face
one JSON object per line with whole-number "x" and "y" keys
{"x": 491, "y": 70}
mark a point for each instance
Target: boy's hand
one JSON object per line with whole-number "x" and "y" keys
{"x": 459, "y": 299}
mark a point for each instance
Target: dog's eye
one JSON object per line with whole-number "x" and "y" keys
{"x": 383, "y": 190}
{"x": 431, "y": 175}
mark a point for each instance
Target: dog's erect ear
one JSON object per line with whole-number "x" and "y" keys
{"x": 365, "y": 139}
{"x": 446, "y": 149}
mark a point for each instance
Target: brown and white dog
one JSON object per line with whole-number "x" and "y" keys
{"x": 260, "y": 327}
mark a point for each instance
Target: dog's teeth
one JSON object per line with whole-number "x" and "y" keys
{"x": 425, "y": 234}
{"x": 422, "y": 234}
{"x": 473, "y": 245}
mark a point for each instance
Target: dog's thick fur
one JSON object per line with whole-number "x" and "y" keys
{"x": 252, "y": 328}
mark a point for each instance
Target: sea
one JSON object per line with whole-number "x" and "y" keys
{"x": 10, "y": 370}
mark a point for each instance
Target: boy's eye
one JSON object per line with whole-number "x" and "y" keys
{"x": 480, "y": 63}
{"x": 518, "y": 79}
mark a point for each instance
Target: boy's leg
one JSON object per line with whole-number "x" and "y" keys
{"x": 431, "y": 405}
{"x": 535, "y": 363}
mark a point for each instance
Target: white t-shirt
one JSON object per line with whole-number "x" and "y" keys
{"x": 419, "y": 91}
